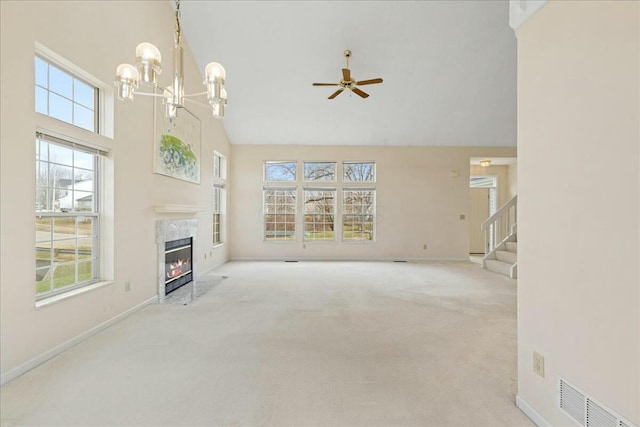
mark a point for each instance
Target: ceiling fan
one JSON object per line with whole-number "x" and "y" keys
{"x": 348, "y": 83}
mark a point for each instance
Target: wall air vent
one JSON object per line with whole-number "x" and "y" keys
{"x": 572, "y": 402}
{"x": 585, "y": 410}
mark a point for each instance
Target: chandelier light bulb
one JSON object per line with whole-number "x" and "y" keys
{"x": 215, "y": 72}
{"x": 148, "y": 52}
{"x": 148, "y": 62}
{"x": 127, "y": 78}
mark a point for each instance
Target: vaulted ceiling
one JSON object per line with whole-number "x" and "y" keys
{"x": 449, "y": 70}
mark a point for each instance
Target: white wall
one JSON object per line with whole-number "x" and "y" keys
{"x": 579, "y": 197}
{"x": 96, "y": 36}
{"x": 418, "y": 202}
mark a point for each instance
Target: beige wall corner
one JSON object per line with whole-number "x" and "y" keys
{"x": 579, "y": 205}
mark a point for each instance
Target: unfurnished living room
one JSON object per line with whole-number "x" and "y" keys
{"x": 320, "y": 213}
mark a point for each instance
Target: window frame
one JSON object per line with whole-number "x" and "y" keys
{"x": 219, "y": 198}
{"x": 334, "y": 214}
{"x": 373, "y": 215}
{"x": 95, "y": 214}
{"x": 95, "y": 110}
{"x": 100, "y": 141}
{"x": 294, "y": 191}
{"x": 350, "y": 162}
{"x": 329, "y": 181}
{"x": 281, "y": 162}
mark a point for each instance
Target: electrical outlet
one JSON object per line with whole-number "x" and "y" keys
{"x": 304, "y": 246}
{"x": 462, "y": 216}
{"x": 538, "y": 364}
{"x": 424, "y": 246}
{"x": 127, "y": 286}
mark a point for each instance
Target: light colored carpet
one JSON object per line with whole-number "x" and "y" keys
{"x": 296, "y": 344}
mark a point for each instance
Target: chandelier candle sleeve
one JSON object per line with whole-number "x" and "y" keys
{"x": 148, "y": 61}
{"x": 149, "y": 67}
{"x": 127, "y": 78}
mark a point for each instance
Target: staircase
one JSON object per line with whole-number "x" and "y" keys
{"x": 501, "y": 240}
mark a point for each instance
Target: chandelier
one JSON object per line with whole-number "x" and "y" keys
{"x": 148, "y": 68}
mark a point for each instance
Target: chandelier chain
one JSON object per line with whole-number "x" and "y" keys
{"x": 177, "y": 35}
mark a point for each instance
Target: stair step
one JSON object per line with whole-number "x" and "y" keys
{"x": 498, "y": 266}
{"x": 512, "y": 246}
{"x": 507, "y": 256}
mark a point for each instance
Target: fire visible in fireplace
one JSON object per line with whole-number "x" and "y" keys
{"x": 177, "y": 267}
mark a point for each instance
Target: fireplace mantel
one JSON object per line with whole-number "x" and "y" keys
{"x": 179, "y": 208}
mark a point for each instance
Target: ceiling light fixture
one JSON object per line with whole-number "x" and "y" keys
{"x": 485, "y": 163}
{"x": 148, "y": 67}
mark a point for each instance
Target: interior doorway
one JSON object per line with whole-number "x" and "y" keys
{"x": 483, "y": 204}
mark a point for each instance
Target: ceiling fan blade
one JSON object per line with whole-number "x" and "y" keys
{"x": 359, "y": 92}
{"x": 346, "y": 74}
{"x": 325, "y": 84}
{"x": 334, "y": 94}
{"x": 369, "y": 82}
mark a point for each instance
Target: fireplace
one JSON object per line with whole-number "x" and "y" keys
{"x": 177, "y": 264}
{"x": 176, "y": 239}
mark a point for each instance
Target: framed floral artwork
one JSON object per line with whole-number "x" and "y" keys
{"x": 177, "y": 145}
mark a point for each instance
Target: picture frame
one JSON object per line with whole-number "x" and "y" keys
{"x": 177, "y": 145}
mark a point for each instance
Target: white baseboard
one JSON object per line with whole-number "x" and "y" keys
{"x": 38, "y": 360}
{"x": 531, "y": 413}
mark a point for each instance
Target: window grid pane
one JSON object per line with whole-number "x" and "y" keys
{"x": 358, "y": 215}
{"x": 280, "y": 214}
{"x": 319, "y": 215}
{"x": 67, "y": 221}
{"x": 62, "y": 96}
{"x": 320, "y": 171}
{"x": 216, "y": 166}
{"x": 359, "y": 171}
{"x": 279, "y": 171}
{"x": 216, "y": 215}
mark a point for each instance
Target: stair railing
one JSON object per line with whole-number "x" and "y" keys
{"x": 500, "y": 225}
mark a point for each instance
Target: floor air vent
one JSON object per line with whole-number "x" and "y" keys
{"x": 585, "y": 410}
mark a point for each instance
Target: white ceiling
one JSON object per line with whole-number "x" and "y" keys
{"x": 449, "y": 70}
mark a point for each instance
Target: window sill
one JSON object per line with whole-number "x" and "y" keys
{"x": 217, "y": 245}
{"x": 60, "y": 297}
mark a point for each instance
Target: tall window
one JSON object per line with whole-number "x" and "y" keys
{"x": 358, "y": 214}
{"x": 64, "y": 96}
{"x": 279, "y": 214}
{"x": 319, "y": 214}
{"x": 359, "y": 201}
{"x": 219, "y": 183}
{"x": 217, "y": 239}
{"x": 67, "y": 215}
